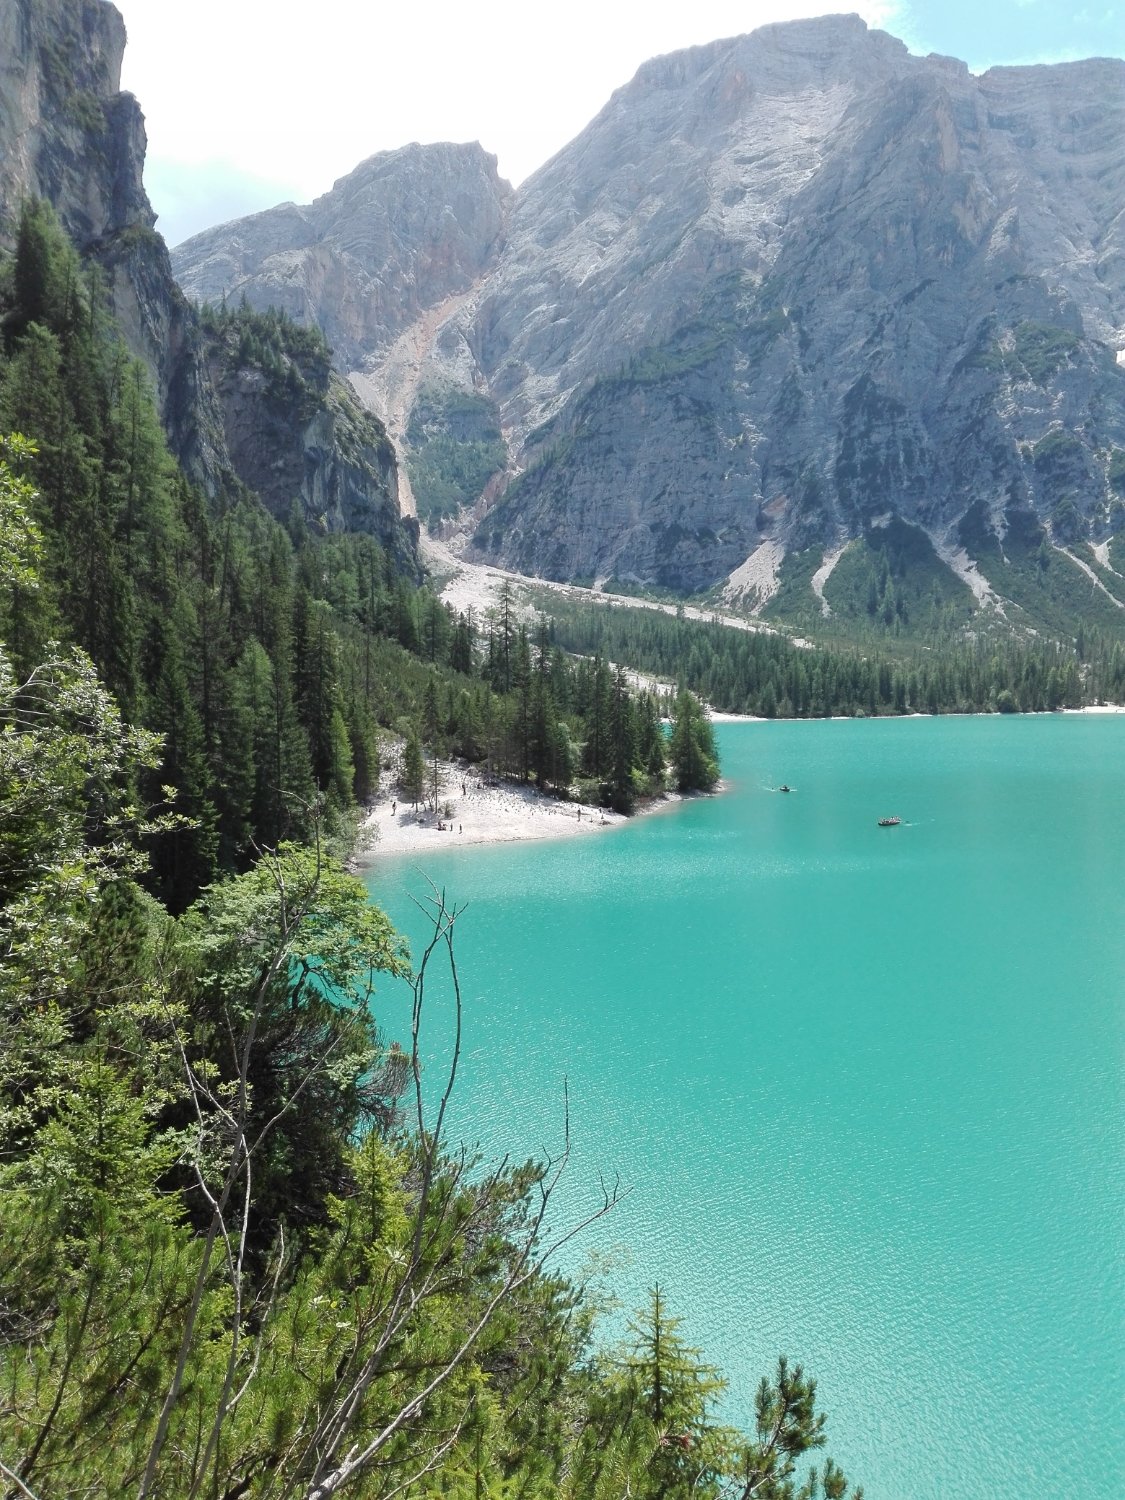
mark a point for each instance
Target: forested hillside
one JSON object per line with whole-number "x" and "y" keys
{"x": 266, "y": 655}
{"x": 238, "y": 1255}
{"x": 757, "y": 672}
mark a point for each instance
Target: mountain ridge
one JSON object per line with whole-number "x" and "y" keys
{"x": 781, "y": 286}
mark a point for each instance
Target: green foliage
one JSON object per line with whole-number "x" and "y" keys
{"x": 294, "y": 358}
{"x": 226, "y": 1267}
{"x": 69, "y": 829}
{"x": 893, "y": 578}
{"x": 794, "y": 603}
{"x": 674, "y": 1388}
{"x": 84, "y": 109}
{"x": 1106, "y": 572}
{"x": 1041, "y": 580}
{"x": 21, "y": 542}
{"x": 455, "y": 446}
{"x": 787, "y": 1427}
{"x": 1066, "y": 521}
{"x": 691, "y": 749}
{"x": 753, "y": 672}
{"x": 1041, "y": 349}
{"x": 1056, "y": 451}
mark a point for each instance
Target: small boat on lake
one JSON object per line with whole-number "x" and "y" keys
{"x": 784, "y": 788}
{"x": 889, "y": 822}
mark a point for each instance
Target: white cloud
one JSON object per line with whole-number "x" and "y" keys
{"x": 296, "y": 95}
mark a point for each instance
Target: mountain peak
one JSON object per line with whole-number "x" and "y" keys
{"x": 782, "y": 286}
{"x": 432, "y": 156}
{"x": 830, "y": 42}
{"x": 404, "y": 230}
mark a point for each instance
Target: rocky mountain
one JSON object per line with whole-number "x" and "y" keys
{"x": 399, "y": 235}
{"x": 784, "y": 291}
{"x": 70, "y": 136}
{"x": 294, "y": 429}
{"x": 879, "y": 285}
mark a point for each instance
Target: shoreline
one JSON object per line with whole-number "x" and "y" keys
{"x": 481, "y": 812}
{"x": 717, "y": 716}
{"x": 485, "y": 811}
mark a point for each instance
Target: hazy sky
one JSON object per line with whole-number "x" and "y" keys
{"x": 249, "y": 104}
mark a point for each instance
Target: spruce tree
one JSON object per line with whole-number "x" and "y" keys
{"x": 692, "y": 746}
{"x": 412, "y": 780}
{"x": 676, "y": 1389}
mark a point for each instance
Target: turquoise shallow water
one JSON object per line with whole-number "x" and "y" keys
{"x": 866, "y": 1084}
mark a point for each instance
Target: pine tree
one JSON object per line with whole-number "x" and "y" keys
{"x": 412, "y": 780}
{"x": 595, "y": 760}
{"x": 431, "y": 714}
{"x": 676, "y": 1389}
{"x": 185, "y": 859}
{"x": 622, "y": 745}
{"x": 692, "y": 746}
{"x": 461, "y": 648}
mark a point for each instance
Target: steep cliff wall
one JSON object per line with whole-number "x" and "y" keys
{"x": 297, "y": 435}
{"x": 68, "y": 135}
{"x": 403, "y": 232}
{"x": 783, "y": 286}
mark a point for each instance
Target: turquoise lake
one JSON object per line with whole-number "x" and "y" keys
{"x": 867, "y": 1085}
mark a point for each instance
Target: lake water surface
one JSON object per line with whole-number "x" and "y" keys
{"x": 866, "y": 1084}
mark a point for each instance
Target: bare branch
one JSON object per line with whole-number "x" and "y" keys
{"x": 217, "y": 1225}
{"x": 17, "y": 1481}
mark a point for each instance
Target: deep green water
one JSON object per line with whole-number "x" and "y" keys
{"x": 866, "y": 1084}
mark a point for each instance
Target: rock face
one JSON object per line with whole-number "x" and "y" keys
{"x": 304, "y": 438}
{"x": 782, "y": 287}
{"x": 860, "y": 282}
{"x": 68, "y": 135}
{"x": 403, "y": 232}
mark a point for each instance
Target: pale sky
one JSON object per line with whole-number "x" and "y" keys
{"x": 249, "y": 104}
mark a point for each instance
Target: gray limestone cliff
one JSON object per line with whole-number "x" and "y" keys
{"x": 402, "y": 233}
{"x": 70, "y": 136}
{"x": 782, "y": 288}
{"x": 861, "y": 283}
